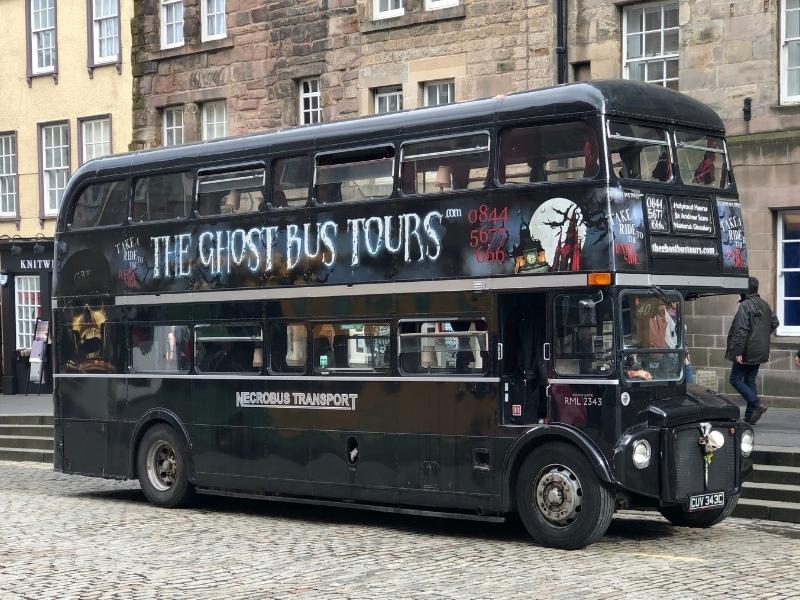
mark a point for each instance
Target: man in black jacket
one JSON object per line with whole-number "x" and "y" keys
{"x": 748, "y": 347}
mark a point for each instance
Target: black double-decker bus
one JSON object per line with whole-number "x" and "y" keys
{"x": 466, "y": 310}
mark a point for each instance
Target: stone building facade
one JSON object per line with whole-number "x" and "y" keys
{"x": 280, "y": 63}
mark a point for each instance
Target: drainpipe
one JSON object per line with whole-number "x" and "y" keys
{"x": 561, "y": 40}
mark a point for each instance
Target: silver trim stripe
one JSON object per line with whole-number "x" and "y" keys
{"x": 647, "y": 280}
{"x": 410, "y": 287}
{"x": 583, "y": 381}
{"x": 275, "y": 379}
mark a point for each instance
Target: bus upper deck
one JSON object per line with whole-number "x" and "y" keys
{"x": 593, "y": 177}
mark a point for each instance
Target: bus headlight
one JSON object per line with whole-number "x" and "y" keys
{"x": 641, "y": 454}
{"x": 748, "y": 442}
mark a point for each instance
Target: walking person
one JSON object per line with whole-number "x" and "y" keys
{"x": 748, "y": 347}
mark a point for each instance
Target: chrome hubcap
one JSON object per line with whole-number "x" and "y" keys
{"x": 558, "y": 495}
{"x": 162, "y": 466}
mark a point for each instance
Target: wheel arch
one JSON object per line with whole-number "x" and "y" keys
{"x": 150, "y": 419}
{"x": 537, "y": 437}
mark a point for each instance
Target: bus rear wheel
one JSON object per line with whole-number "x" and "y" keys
{"x": 706, "y": 518}
{"x": 560, "y": 499}
{"x": 162, "y": 466}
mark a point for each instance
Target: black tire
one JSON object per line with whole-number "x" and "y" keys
{"x": 560, "y": 471}
{"x": 162, "y": 464}
{"x": 701, "y": 519}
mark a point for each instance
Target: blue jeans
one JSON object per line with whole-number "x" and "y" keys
{"x": 743, "y": 380}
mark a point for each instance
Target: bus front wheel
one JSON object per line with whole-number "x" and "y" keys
{"x": 162, "y": 467}
{"x": 560, "y": 499}
{"x": 706, "y": 518}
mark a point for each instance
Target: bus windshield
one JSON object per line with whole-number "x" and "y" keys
{"x": 651, "y": 335}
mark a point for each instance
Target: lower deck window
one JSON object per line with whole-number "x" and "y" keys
{"x": 160, "y": 348}
{"x": 351, "y": 347}
{"x": 441, "y": 347}
{"x": 228, "y": 348}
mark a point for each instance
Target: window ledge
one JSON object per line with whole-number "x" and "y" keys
{"x": 189, "y": 49}
{"x": 32, "y": 76}
{"x": 788, "y": 106}
{"x": 414, "y": 18}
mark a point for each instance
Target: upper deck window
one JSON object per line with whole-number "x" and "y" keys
{"x": 231, "y": 192}
{"x": 702, "y": 160}
{"x": 101, "y": 204}
{"x": 548, "y": 153}
{"x": 291, "y": 179}
{"x": 160, "y": 197}
{"x": 445, "y": 164}
{"x": 364, "y": 174}
{"x": 639, "y": 152}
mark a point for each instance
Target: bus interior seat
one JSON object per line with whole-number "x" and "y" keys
{"x": 279, "y": 199}
{"x": 340, "y": 351}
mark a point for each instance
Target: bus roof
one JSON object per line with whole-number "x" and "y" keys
{"x": 623, "y": 98}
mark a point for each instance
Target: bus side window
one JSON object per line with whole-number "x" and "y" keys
{"x": 287, "y": 347}
{"x": 160, "y": 348}
{"x": 445, "y": 164}
{"x": 556, "y": 152}
{"x": 351, "y": 347}
{"x": 364, "y": 174}
{"x": 228, "y": 348}
{"x": 231, "y": 192}
{"x": 291, "y": 180}
{"x": 101, "y": 204}
{"x": 435, "y": 347}
{"x": 160, "y": 197}
{"x": 89, "y": 342}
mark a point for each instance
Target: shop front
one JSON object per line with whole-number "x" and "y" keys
{"x": 26, "y": 270}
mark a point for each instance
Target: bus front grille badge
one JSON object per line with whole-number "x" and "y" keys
{"x": 710, "y": 441}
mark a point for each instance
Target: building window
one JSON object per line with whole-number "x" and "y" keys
{"x": 650, "y": 43}
{"x": 173, "y": 126}
{"x": 171, "y": 23}
{"x": 439, "y": 92}
{"x": 436, "y": 4}
{"x": 388, "y": 99}
{"x": 788, "y": 296}
{"x": 8, "y": 175}
{"x": 215, "y": 123}
{"x": 790, "y": 52}
{"x": 310, "y": 100}
{"x": 105, "y": 29}
{"x": 96, "y": 138}
{"x": 386, "y": 9}
{"x": 55, "y": 165}
{"x": 213, "y": 19}
{"x": 43, "y": 36}
{"x": 28, "y": 306}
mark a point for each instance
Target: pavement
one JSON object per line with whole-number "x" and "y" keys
{"x": 778, "y": 427}
{"x": 65, "y": 536}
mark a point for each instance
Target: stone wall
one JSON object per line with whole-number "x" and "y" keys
{"x": 255, "y": 69}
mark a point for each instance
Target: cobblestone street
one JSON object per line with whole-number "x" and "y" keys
{"x": 74, "y": 537}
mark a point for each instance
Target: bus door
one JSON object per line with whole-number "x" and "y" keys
{"x": 581, "y": 369}
{"x": 523, "y": 377}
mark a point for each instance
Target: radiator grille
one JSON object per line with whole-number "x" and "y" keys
{"x": 689, "y": 463}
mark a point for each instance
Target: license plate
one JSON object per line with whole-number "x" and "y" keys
{"x": 706, "y": 501}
